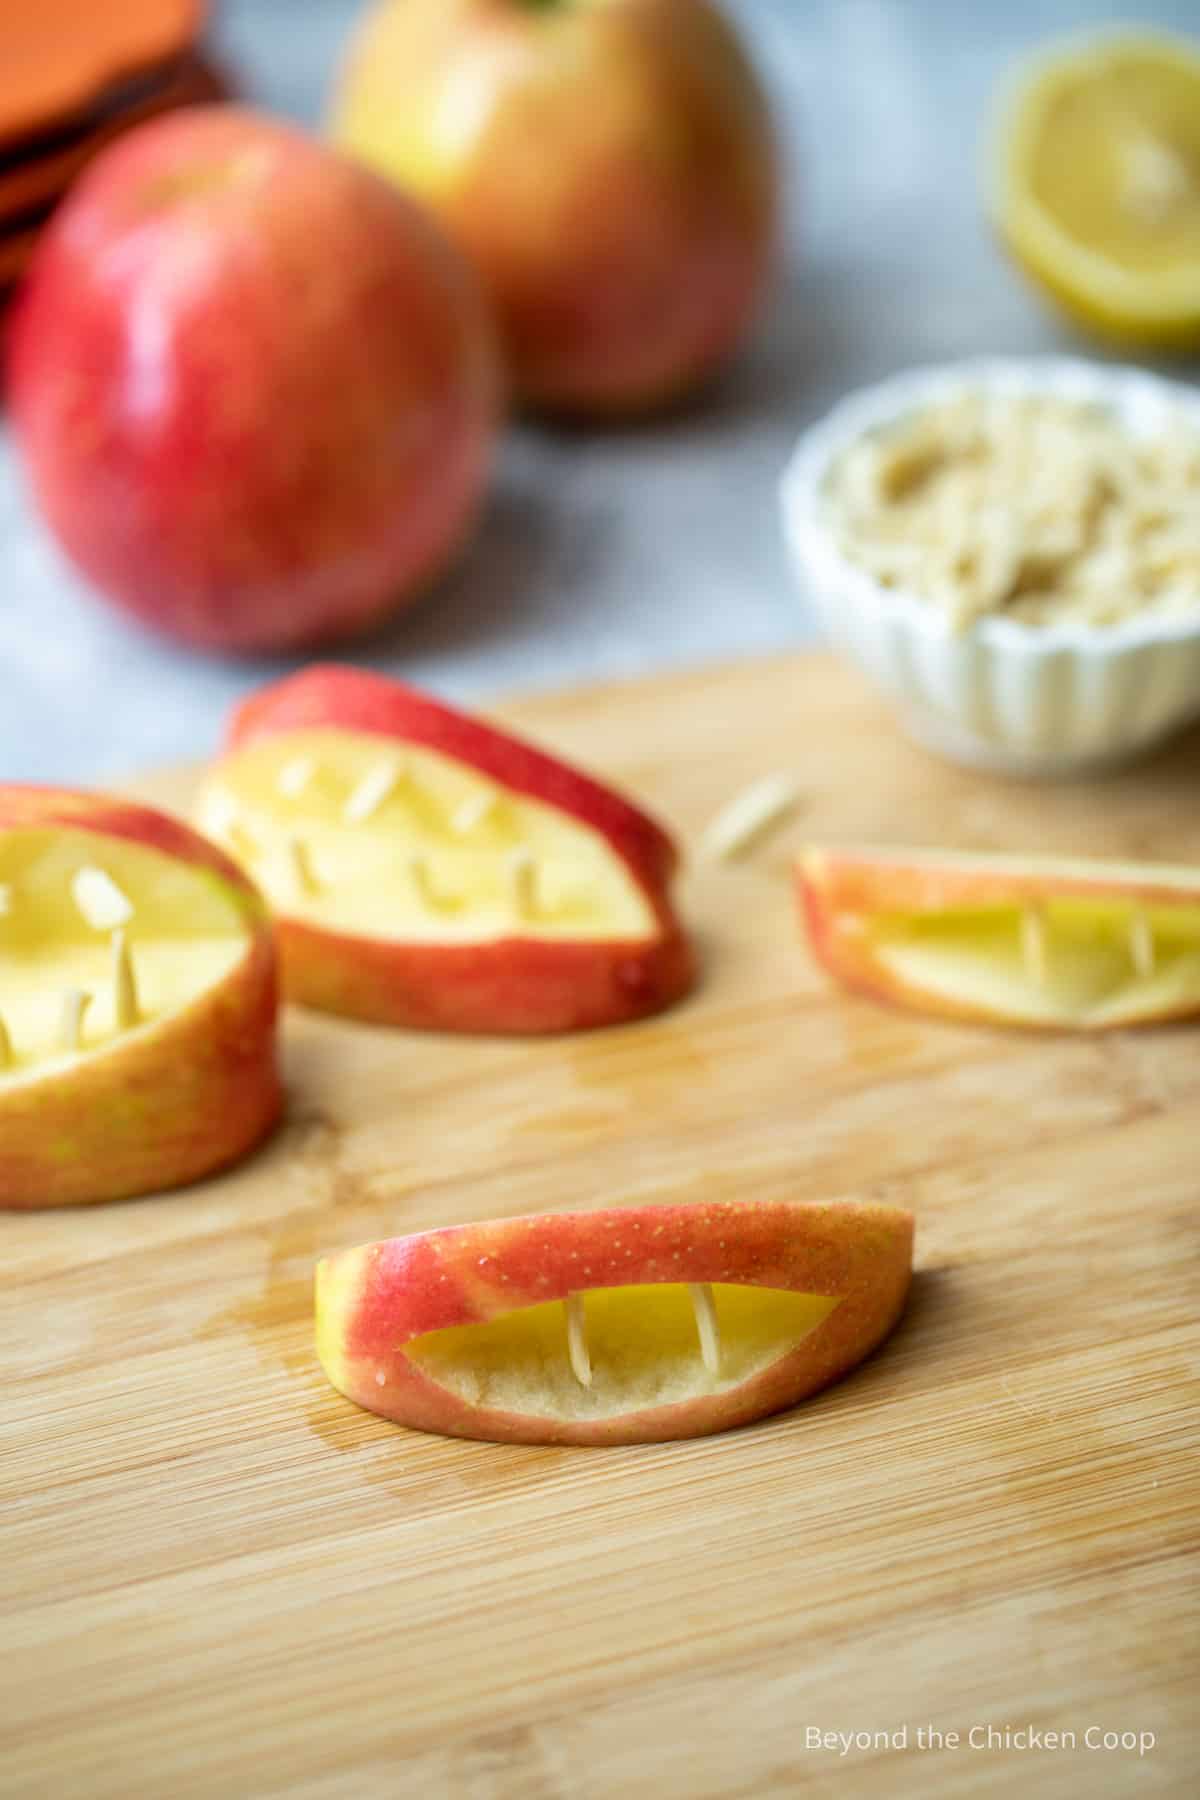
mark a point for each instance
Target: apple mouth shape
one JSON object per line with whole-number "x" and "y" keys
{"x": 1090, "y": 963}
{"x": 611, "y": 1351}
{"x": 365, "y": 836}
{"x": 627, "y": 1325}
{"x": 1084, "y": 945}
{"x": 101, "y": 939}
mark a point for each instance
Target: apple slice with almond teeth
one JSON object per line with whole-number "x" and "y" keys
{"x": 137, "y": 1002}
{"x": 1067, "y": 944}
{"x": 429, "y": 870}
{"x": 629, "y": 1325}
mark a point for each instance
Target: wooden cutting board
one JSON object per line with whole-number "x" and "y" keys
{"x": 220, "y": 1579}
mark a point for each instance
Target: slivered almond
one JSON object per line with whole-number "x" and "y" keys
{"x": 522, "y": 882}
{"x": 1033, "y": 944}
{"x": 100, "y": 902}
{"x": 125, "y": 997}
{"x": 748, "y": 818}
{"x": 470, "y": 813}
{"x": 705, "y": 1308}
{"x": 1141, "y": 945}
{"x": 75, "y": 1003}
{"x": 577, "y": 1348}
{"x": 299, "y": 866}
{"x": 376, "y": 786}
{"x": 422, "y": 879}
{"x": 295, "y": 776}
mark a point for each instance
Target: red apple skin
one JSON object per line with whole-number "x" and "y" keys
{"x": 514, "y": 986}
{"x": 522, "y": 985}
{"x": 613, "y": 178}
{"x": 373, "y": 1299}
{"x": 160, "y": 1108}
{"x": 255, "y": 391}
{"x": 840, "y": 890}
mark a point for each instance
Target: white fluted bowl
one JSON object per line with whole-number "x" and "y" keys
{"x": 1023, "y": 699}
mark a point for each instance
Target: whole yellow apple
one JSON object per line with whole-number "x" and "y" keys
{"x": 608, "y": 165}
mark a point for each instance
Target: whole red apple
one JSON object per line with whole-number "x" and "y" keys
{"x": 607, "y": 164}
{"x": 255, "y": 390}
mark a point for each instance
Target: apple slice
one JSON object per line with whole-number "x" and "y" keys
{"x": 1018, "y": 940}
{"x": 429, "y": 870}
{"x": 618, "y": 1327}
{"x": 137, "y": 1002}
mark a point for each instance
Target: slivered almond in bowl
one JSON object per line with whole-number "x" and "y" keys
{"x": 1035, "y": 507}
{"x": 1012, "y": 551}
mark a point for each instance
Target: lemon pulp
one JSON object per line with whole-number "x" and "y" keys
{"x": 1098, "y": 185}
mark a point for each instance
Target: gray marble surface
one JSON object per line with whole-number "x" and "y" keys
{"x": 609, "y": 555}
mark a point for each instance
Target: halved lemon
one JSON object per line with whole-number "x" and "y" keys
{"x": 1097, "y": 185}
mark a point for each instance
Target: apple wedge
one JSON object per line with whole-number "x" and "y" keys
{"x": 137, "y": 1002}
{"x": 626, "y": 1326}
{"x": 1031, "y": 941}
{"x": 429, "y": 870}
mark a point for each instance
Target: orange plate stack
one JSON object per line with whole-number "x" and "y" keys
{"x": 73, "y": 75}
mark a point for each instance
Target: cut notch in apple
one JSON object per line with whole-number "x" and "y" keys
{"x": 1033, "y": 941}
{"x": 427, "y": 869}
{"x": 623, "y": 1326}
{"x": 137, "y": 1002}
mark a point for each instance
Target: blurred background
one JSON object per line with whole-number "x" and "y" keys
{"x": 606, "y": 553}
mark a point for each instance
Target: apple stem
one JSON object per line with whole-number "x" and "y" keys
{"x": 100, "y": 902}
{"x": 522, "y": 877}
{"x": 75, "y": 1003}
{"x": 6, "y": 1050}
{"x": 705, "y": 1309}
{"x": 1141, "y": 945}
{"x": 299, "y": 867}
{"x": 125, "y": 997}
{"x": 471, "y": 812}
{"x": 1033, "y": 944}
{"x": 376, "y": 786}
{"x": 577, "y": 1350}
{"x": 295, "y": 776}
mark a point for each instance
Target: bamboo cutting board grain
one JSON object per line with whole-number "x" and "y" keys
{"x": 220, "y": 1579}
